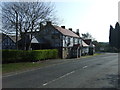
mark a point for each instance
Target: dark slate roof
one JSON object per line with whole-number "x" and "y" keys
{"x": 66, "y": 32}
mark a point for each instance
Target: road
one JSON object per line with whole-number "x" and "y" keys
{"x": 92, "y": 72}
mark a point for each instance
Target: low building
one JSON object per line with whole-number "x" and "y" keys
{"x": 91, "y": 46}
{"x": 54, "y": 37}
{"x": 68, "y": 42}
{"x": 85, "y": 48}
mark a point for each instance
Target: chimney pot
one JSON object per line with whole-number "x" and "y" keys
{"x": 70, "y": 29}
{"x": 77, "y": 32}
{"x": 49, "y": 22}
{"x": 63, "y": 27}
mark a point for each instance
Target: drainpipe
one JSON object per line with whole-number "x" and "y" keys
{"x": 77, "y": 51}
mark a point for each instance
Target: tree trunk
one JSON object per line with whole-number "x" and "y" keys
{"x": 16, "y": 30}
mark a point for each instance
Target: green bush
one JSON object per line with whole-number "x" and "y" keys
{"x": 11, "y": 56}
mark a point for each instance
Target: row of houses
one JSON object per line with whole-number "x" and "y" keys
{"x": 68, "y": 42}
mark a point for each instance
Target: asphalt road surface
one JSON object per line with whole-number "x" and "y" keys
{"x": 93, "y": 72}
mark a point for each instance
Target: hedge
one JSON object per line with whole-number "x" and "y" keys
{"x": 11, "y": 56}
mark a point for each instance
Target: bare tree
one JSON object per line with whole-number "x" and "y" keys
{"x": 87, "y": 36}
{"x": 24, "y": 17}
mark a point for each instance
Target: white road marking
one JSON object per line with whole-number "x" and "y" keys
{"x": 85, "y": 67}
{"x": 58, "y": 78}
{"x": 13, "y": 74}
{"x": 61, "y": 77}
{"x": 45, "y": 84}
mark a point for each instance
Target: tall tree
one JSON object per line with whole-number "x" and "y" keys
{"x": 111, "y": 36}
{"x": 117, "y": 36}
{"x": 114, "y": 36}
{"x": 87, "y": 36}
{"x": 24, "y": 17}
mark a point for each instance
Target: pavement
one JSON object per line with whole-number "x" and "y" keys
{"x": 92, "y": 72}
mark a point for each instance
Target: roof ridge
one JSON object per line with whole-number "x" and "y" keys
{"x": 65, "y": 31}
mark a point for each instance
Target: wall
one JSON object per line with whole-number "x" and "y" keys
{"x": 52, "y": 36}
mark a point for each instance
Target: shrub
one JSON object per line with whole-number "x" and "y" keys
{"x": 11, "y": 56}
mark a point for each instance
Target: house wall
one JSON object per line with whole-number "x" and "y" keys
{"x": 65, "y": 44}
{"x": 69, "y": 51}
{"x": 52, "y": 36}
{"x": 71, "y": 40}
{"x": 85, "y": 50}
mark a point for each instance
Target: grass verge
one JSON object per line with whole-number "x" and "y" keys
{"x": 22, "y": 66}
{"x": 98, "y": 54}
{"x": 92, "y": 55}
{"x": 16, "y": 67}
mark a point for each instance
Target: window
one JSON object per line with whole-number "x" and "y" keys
{"x": 68, "y": 39}
{"x": 79, "y": 41}
{"x": 76, "y": 41}
{"x": 65, "y": 40}
{"x": 73, "y": 40}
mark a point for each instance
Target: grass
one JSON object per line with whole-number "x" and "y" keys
{"x": 98, "y": 54}
{"x": 92, "y": 55}
{"x": 15, "y": 67}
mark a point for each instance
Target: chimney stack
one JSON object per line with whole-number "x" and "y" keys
{"x": 63, "y": 27}
{"x": 49, "y": 22}
{"x": 70, "y": 29}
{"x": 77, "y": 32}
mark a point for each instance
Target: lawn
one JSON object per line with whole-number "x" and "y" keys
{"x": 15, "y": 67}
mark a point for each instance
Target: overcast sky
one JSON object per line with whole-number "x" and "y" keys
{"x": 93, "y": 16}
